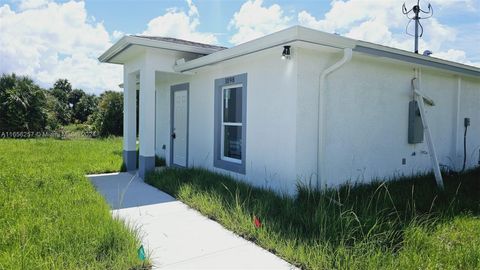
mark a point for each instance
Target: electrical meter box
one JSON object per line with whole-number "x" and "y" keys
{"x": 415, "y": 125}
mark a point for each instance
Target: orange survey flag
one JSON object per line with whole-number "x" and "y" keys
{"x": 257, "y": 222}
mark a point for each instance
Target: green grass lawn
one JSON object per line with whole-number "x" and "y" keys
{"x": 51, "y": 217}
{"x": 404, "y": 224}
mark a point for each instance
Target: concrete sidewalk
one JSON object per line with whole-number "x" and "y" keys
{"x": 176, "y": 236}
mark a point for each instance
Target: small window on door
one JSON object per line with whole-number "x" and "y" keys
{"x": 230, "y": 124}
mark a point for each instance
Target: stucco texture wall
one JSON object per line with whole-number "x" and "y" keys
{"x": 367, "y": 118}
{"x": 271, "y": 106}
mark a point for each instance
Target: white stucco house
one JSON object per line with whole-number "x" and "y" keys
{"x": 332, "y": 110}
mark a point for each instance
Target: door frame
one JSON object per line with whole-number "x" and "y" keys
{"x": 173, "y": 89}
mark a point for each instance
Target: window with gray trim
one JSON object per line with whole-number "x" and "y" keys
{"x": 230, "y": 123}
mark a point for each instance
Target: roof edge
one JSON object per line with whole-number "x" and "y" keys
{"x": 283, "y": 37}
{"x": 398, "y": 54}
{"x": 113, "y": 50}
{"x": 300, "y": 33}
{"x": 128, "y": 41}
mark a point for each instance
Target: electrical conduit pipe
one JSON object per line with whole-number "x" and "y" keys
{"x": 321, "y": 111}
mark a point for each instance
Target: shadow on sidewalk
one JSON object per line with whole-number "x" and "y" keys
{"x": 124, "y": 190}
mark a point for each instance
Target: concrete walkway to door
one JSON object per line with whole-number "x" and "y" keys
{"x": 176, "y": 236}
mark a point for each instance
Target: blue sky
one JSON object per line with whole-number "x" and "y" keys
{"x": 48, "y": 39}
{"x": 215, "y": 14}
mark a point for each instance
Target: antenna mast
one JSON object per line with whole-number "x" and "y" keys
{"x": 416, "y": 10}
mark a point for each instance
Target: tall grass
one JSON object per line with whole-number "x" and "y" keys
{"x": 51, "y": 217}
{"x": 403, "y": 224}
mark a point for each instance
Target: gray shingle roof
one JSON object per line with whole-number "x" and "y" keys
{"x": 183, "y": 42}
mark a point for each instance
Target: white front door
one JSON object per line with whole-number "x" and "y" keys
{"x": 179, "y": 127}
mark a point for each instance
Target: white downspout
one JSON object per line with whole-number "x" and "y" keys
{"x": 321, "y": 132}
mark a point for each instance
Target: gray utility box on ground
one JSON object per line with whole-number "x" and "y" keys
{"x": 415, "y": 125}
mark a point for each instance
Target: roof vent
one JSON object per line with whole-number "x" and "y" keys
{"x": 427, "y": 52}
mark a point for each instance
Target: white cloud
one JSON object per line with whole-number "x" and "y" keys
{"x": 179, "y": 24}
{"x": 436, "y": 34}
{"x": 462, "y": 4}
{"x": 382, "y": 22}
{"x": 32, "y": 4}
{"x": 253, "y": 20}
{"x": 456, "y": 56}
{"x": 116, "y": 35}
{"x": 192, "y": 9}
{"x": 56, "y": 41}
{"x": 373, "y": 31}
{"x": 48, "y": 40}
{"x": 346, "y": 14}
{"x": 307, "y": 20}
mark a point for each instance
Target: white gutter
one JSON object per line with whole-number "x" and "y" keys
{"x": 347, "y": 56}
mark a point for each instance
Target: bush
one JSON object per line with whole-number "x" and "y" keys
{"x": 22, "y": 104}
{"x": 85, "y": 106}
{"x": 61, "y": 90}
{"x": 52, "y": 120}
{"x": 78, "y": 131}
{"x": 62, "y": 112}
{"x": 108, "y": 119}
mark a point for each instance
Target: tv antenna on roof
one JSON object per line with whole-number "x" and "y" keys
{"x": 416, "y": 10}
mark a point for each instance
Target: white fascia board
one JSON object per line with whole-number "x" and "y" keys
{"x": 284, "y": 37}
{"x": 262, "y": 43}
{"x": 127, "y": 41}
{"x": 114, "y": 50}
{"x": 325, "y": 39}
{"x": 301, "y": 34}
{"x": 414, "y": 58}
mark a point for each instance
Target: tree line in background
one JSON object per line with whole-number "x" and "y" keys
{"x": 26, "y": 107}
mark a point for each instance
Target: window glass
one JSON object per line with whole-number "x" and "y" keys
{"x": 233, "y": 142}
{"x": 232, "y": 105}
{"x": 230, "y": 123}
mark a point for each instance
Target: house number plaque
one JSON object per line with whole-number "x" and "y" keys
{"x": 229, "y": 80}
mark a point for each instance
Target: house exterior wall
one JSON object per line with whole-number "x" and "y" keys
{"x": 367, "y": 118}
{"x": 310, "y": 64}
{"x": 470, "y": 100}
{"x": 271, "y": 119}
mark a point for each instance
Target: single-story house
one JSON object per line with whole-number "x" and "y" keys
{"x": 298, "y": 105}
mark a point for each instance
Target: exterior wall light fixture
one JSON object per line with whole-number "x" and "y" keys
{"x": 286, "y": 52}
